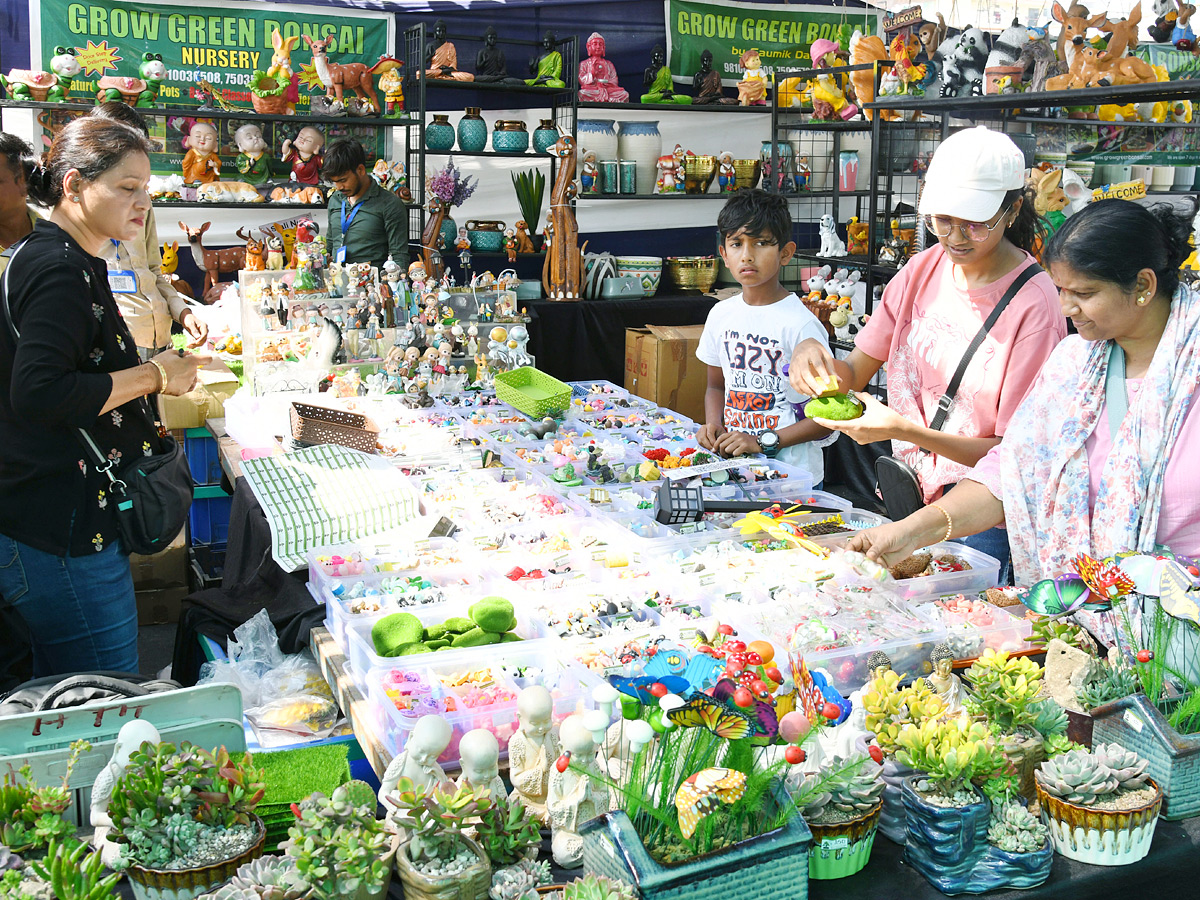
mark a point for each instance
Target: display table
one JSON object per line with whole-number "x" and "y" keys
{"x": 585, "y": 340}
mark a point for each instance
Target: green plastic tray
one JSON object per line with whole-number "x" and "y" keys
{"x": 532, "y": 392}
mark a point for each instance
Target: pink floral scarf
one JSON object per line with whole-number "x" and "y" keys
{"x": 1044, "y": 465}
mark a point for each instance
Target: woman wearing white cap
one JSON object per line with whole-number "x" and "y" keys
{"x": 975, "y": 203}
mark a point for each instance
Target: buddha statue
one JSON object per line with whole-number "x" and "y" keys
{"x": 598, "y": 76}
{"x": 706, "y": 84}
{"x": 441, "y": 59}
{"x": 547, "y": 66}
{"x": 657, "y": 81}
{"x": 490, "y": 65}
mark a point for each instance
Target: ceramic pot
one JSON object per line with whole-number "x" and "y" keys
{"x": 1097, "y": 837}
{"x": 641, "y": 142}
{"x": 841, "y": 850}
{"x": 596, "y": 268}
{"x": 510, "y": 136}
{"x": 1162, "y": 178}
{"x": 597, "y": 135}
{"x": 891, "y": 817}
{"x": 486, "y": 236}
{"x": 648, "y": 269}
{"x": 772, "y": 866}
{"x": 1184, "y": 176}
{"x": 698, "y": 173}
{"x": 439, "y": 134}
{"x": 847, "y": 170}
{"x": 472, "y": 131}
{"x": 184, "y": 884}
{"x": 449, "y": 232}
{"x": 949, "y": 847}
{"x": 472, "y": 884}
{"x": 545, "y": 136}
{"x": 993, "y": 74}
{"x": 747, "y": 172}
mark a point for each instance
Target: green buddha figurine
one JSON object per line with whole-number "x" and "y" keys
{"x": 547, "y": 68}
{"x": 657, "y": 81}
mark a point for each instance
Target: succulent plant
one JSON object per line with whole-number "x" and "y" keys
{"x": 1048, "y": 717}
{"x": 850, "y": 786}
{"x": 75, "y": 874}
{"x": 519, "y": 881}
{"x": 890, "y": 709}
{"x": 265, "y": 878}
{"x": 951, "y": 753}
{"x": 1006, "y": 690}
{"x": 1085, "y": 779}
{"x": 1015, "y": 829}
{"x": 1112, "y": 683}
{"x": 506, "y": 830}
{"x": 9, "y": 860}
{"x": 1046, "y": 629}
{"x": 1126, "y": 765}
{"x": 437, "y": 817}
{"x": 31, "y": 814}
{"x": 598, "y": 887}
{"x": 336, "y": 847}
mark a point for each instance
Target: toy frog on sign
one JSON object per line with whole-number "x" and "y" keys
{"x": 65, "y": 65}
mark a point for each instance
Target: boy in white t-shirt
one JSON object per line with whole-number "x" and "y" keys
{"x": 749, "y": 337}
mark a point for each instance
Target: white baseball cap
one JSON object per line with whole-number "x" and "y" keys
{"x": 970, "y": 173}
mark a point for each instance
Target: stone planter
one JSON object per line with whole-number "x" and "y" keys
{"x": 1079, "y": 727}
{"x": 772, "y": 866}
{"x": 1136, "y": 724}
{"x": 1098, "y": 837}
{"x": 949, "y": 847}
{"x": 841, "y": 850}
{"x": 471, "y": 884}
{"x": 892, "y": 816}
{"x": 1025, "y": 754}
{"x": 184, "y": 884}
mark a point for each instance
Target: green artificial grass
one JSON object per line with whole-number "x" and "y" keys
{"x": 291, "y": 775}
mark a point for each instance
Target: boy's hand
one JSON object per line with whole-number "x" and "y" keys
{"x": 738, "y": 443}
{"x": 811, "y": 369}
{"x": 708, "y": 434}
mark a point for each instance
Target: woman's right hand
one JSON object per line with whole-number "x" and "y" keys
{"x": 888, "y": 544}
{"x": 181, "y": 370}
{"x": 811, "y": 369}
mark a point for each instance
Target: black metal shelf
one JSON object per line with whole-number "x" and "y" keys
{"x": 679, "y": 107}
{"x": 229, "y": 204}
{"x": 1120, "y": 94}
{"x": 163, "y": 111}
{"x": 669, "y": 197}
{"x": 495, "y": 154}
{"x": 811, "y": 125}
{"x": 494, "y": 87}
{"x": 1063, "y": 120}
{"x": 858, "y": 262}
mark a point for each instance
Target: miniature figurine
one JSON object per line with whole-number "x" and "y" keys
{"x": 856, "y": 234}
{"x": 441, "y": 59}
{"x": 480, "y": 752}
{"x": 670, "y": 172}
{"x": 533, "y": 748}
{"x": 428, "y": 740}
{"x": 336, "y": 77}
{"x": 201, "y": 165}
{"x": 304, "y": 153}
{"x": 524, "y": 241}
{"x": 547, "y": 66}
{"x": 132, "y": 735}
{"x": 831, "y": 244}
{"x": 575, "y": 794}
{"x": 598, "y": 76}
{"x": 706, "y": 84}
{"x": 65, "y": 65}
{"x": 803, "y": 175}
{"x": 252, "y": 163}
{"x": 829, "y": 100}
{"x": 281, "y": 66}
{"x": 943, "y": 681}
{"x": 726, "y": 174}
{"x": 391, "y": 82}
{"x": 657, "y": 81}
{"x": 491, "y": 67}
{"x": 472, "y": 339}
{"x": 752, "y": 89}
{"x": 29, "y": 84}
{"x": 510, "y": 244}
{"x": 589, "y": 179}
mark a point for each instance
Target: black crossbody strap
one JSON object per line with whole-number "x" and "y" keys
{"x": 947, "y": 401}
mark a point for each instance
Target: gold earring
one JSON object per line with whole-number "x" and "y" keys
{"x": 1143, "y": 300}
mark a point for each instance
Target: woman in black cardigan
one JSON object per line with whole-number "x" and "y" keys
{"x": 75, "y": 365}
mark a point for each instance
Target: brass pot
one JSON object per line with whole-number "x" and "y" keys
{"x": 693, "y": 272}
{"x": 747, "y": 172}
{"x": 698, "y": 173}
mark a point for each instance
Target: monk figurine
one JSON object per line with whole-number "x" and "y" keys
{"x": 575, "y": 795}
{"x": 491, "y": 67}
{"x": 657, "y": 81}
{"x": 598, "y": 76}
{"x": 547, "y": 66}
{"x": 441, "y": 59}
{"x": 418, "y": 761}
{"x": 532, "y": 751}
{"x": 943, "y": 681}
{"x": 304, "y": 153}
{"x": 752, "y": 89}
{"x": 480, "y": 752}
{"x": 706, "y": 84}
{"x": 201, "y": 165}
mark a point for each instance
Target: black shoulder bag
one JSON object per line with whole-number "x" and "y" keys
{"x": 898, "y": 483}
{"x": 152, "y": 494}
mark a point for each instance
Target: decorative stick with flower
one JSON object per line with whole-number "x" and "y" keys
{"x": 447, "y": 188}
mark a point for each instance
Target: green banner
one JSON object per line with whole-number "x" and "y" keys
{"x": 1181, "y": 65}
{"x": 220, "y": 42}
{"x": 1130, "y": 145}
{"x": 780, "y": 34}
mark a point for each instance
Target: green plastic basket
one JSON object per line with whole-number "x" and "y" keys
{"x": 532, "y": 392}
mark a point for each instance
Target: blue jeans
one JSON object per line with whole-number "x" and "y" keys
{"x": 993, "y": 542}
{"x": 80, "y": 609}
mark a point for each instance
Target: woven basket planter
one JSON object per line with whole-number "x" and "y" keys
{"x": 772, "y": 866}
{"x": 472, "y": 884}
{"x": 184, "y": 884}
{"x": 1099, "y": 837}
{"x": 841, "y": 850}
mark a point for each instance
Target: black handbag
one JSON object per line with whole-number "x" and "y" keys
{"x": 898, "y": 483}
{"x": 152, "y": 494}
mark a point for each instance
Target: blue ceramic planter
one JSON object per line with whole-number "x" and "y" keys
{"x": 545, "y": 136}
{"x": 510, "y": 139}
{"x": 472, "y": 131}
{"x": 449, "y": 233}
{"x": 949, "y": 846}
{"x": 439, "y": 134}
{"x": 891, "y": 818}
{"x": 772, "y": 866}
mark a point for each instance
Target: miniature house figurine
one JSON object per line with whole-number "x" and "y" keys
{"x": 574, "y": 796}
{"x": 532, "y": 750}
{"x": 441, "y": 59}
{"x": 418, "y": 761}
{"x": 304, "y": 153}
{"x": 598, "y": 76}
{"x": 480, "y": 753}
{"x": 201, "y": 165}
{"x": 131, "y": 736}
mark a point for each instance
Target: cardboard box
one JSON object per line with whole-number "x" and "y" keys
{"x": 165, "y": 569}
{"x": 160, "y": 606}
{"x": 207, "y": 401}
{"x": 661, "y": 366}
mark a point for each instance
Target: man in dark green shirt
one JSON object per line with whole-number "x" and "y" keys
{"x": 367, "y": 221}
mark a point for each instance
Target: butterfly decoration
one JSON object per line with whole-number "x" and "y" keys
{"x": 809, "y": 698}
{"x": 1103, "y": 579}
{"x": 764, "y": 721}
{"x": 1093, "y": 586}
{"x": 1176, "y": 596}
{"x": 699, "y": 795}
{"x": 780, "y": 524}
{"x": 639, "y": 688}
{"x": 702, "y": 711}
{"x": 669, "y": 659}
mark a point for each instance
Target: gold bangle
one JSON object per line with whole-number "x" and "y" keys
{"x": 949, "y": 521}
{"x": 162, "y": 375}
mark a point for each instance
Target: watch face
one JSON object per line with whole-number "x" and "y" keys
{"x": 768, "y": 439}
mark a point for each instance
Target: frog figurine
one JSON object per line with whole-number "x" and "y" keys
{"x": 65, "y": 65}
{"x": 153, "y": 72}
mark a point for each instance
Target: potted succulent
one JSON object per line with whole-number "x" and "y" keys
{"x": 520, "y": 880}
{"x": 338, "y": 847}
{"x": 265, "y": 878}
{"x": 75, "y": 874}
{"x": 507, "y": 833}
{"x": 1101, "y": 806}
{"x": 591, "y": 887}
{"x": 184, "y": 818}
{"x": 890, "y": 709}
{"x": 31, "y": 814}
{"x": 841, "y": 805}
{"x": 438, "y": 861}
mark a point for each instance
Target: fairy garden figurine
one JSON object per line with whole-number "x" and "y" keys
{"x": 589, "y": 178}
{"x": 598, "y": 76}
{"x": 657, "y": 81}
{"x": 201, "y": 165}
{"x": 752, "y": 89}
{"x": 943, "y": 681}
{"x": 706, "y": 84}
{"x": 576, "y": 793}
{"x": 533, "y": 748}
{"x": 547, "y": 66}
{"x": 726, "y": 174}
{"x": 441, "y": 59}
{"x": 480, "y": 753}
{"x": 252, "y": 163}
{"x": 428, "y": 740}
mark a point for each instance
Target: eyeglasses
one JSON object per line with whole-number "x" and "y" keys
{"x": 943, "y": 226}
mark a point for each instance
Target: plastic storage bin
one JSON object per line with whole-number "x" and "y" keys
{"x": 982, "y": 575}
{"x": 995, "y": 628}
{"x": 209, "y": 515}
{"x": 200, "y": 448}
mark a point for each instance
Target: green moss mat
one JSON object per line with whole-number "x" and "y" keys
{"x": 292, "y": 775}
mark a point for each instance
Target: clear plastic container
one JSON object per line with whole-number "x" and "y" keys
{"x": 983, "y": 574}
{"x": 909, "y": 652}
{"x": 337, "y": 568}
{"x": 984, "y": 627}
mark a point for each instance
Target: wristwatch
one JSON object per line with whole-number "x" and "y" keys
{"x": 769, "y": 442}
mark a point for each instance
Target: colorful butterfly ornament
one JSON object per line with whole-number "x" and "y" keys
{"x": 780, "y": 524}
{"x": 702, "y": 711}
{"x": 1176, "y": 594}
{"x": 764, "y": 722}
{"x": 1094, "y": 586}
{"x": 699, "y": 795}
{"x": 639, "y": 688}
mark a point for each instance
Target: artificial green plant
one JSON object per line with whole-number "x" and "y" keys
{"x": 530, "y": 186}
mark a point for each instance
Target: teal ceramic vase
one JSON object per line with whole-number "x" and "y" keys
{"x": 439, "y": 134}
{"x": 545, "y": 136}
{"x": 472, "y": 131}
{"x": 510, "y": 136}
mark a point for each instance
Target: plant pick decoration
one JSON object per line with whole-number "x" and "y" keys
{"x": 704, "y": 712}
{"x": 1176, "y": 596}
{"x": 700, "y": 793}
{"x": 1094, "y": 585}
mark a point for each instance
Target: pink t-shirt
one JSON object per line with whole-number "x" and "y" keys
{"x": 921, "y": 330}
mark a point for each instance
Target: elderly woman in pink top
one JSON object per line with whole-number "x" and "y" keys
{"x": 975, "y": 202}
{"x": 1103, "y": 455}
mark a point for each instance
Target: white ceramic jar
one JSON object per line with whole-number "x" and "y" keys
{"x": 641, "y": 142}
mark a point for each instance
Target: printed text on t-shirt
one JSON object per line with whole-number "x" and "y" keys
{"x": 754, "y": 381}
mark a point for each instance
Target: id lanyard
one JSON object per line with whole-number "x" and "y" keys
{"x": 347, "y": 221}
{"x": 121, "y": 281}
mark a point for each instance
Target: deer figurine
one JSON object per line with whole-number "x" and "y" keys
{"x": 213, "y": 263}
{"x": 336, "y": 77}
{"x": 1073, "y": 35}
{"x": 562, "y": 270}
{"x": 1123, "y": 38}
{"x": 254, "y": 252}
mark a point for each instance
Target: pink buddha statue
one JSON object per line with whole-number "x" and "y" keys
{"x": 598, "y": 77}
